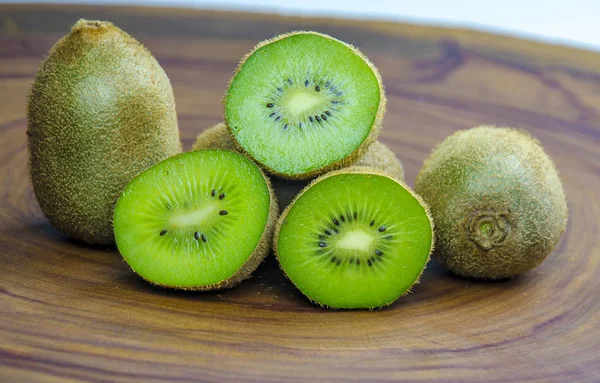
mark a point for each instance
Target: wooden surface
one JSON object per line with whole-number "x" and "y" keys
{"x": 69, "y": 312}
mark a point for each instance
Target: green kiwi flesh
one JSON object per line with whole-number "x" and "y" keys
{"x": 304, "y": 103}
{"x": 101, "y": 110}
{"x": 496, "y": 199}
{"x": 200, "y": 220}
{"x": 354, "y": 238}
{"x": 377, "y": 155}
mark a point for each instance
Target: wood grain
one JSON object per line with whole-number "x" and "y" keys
{"x": 74, "y": 313}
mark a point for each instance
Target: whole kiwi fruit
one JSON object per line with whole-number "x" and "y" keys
{"x": 377, "y": 155}
{"x": 101, "y": 110}
{"x": 496, "y": 199}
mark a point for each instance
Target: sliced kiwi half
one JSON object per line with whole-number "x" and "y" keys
{"x": 200, "y": 220}
{"x": 354, "y": 238}
{"x": 304, "y": 103}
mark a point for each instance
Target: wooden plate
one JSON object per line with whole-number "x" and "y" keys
{"x": 71, "y": 312}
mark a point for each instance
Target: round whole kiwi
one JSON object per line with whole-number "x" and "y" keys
{"x": 496, "y": 199}
{"x": 377, "y": 156}
{"x": 101, "y": 110}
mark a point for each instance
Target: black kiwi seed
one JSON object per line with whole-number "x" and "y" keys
{"x": 372, "y": 223}
{"x": 336, "y": 231}
{"x": 279, "y": 89}
{"x": 222, "y": 195}
{"x": 369, "y": 262}
{"x": 272, "y": 114}
{"x": 321, "y": 237}
{"x": 203, "y": 238}
{"x": 318, "y": 118}
{"x": 285, "y": 126}
{"x": 223, "y": 212}
{"x": 278, "y": 118}
{"x": 300, "y": 125}
{"x": 290, "y": 81}
{"x": 355, "y": 215}
{"x": 342, "y": 218}
{"x": 378, "y": 252}
{"x": 213, "y": 193}
{"x": 196, "y": 235}
{"x": 306, "y": 83}
{"x": 270, "y": 105}
{"x": 327, "y": 232}
{"x": 327, "y": 84}
{"x": 311, "y": 119}
{"x": 318, "y": 88}
{"x": 328, "y": 113}
{"x": 382, "y": 229}
{"x": 322, "y": 244}
{"x": 324, "y": 117}
{"x": 339, "y": 262}
{"x": 168, "y": 207}
{"x": 336, "y": 222}
{"x": 163, "y": 233}
{"x": 333, "y": 259}
{"x": 335, "y": 102}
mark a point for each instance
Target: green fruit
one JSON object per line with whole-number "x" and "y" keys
{"x": 380, "y": 157}
{"x": 201, "y": 220}
{"x": 377, "y": 155}
{"x": 354, "y": 238}
{"x": 215, "y": 137}
{"x": 101, "y": 110}
{"x": 497, "y": 202}
{"x": 304, "y": 103}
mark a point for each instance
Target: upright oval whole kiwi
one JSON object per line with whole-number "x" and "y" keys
{"x": 497, "y": 202}
{"x": 101, "y": 110}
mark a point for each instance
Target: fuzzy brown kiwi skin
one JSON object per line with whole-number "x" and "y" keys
{"x": 352, "y": 157}
{"x": 355, "y": 170}
{"x": 377, "y": 155}
{"x": 261, "y": 250}
{"x": 497, "y": 201}
{"x": 79, "y": 163}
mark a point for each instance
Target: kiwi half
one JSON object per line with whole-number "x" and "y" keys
{"x": 304, "y": 103}
{"x": 101, "y": 110}
{"x": 201, "y": 220}
{"x": 377, "y": 155}
{"x": 354, "y": 238}
{"x": 497, "y": 201}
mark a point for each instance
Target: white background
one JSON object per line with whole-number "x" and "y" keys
{"x": 572, "y": 22}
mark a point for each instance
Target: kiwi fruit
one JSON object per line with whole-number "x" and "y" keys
{"x": 354, "y": 238}
{"x": 496, "y": 199}
{"x": 215, "y": 137}
{"x": 101, "y": 110}
{"x": 201, "y": 220}
{"x": 377, "y": 155}
{"x": 304, "y": 103}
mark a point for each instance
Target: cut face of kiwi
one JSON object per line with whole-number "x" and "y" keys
{"x": 354, "y": 238}
{"x": 200, "y": 220}
{"x": 304, "y": 103}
